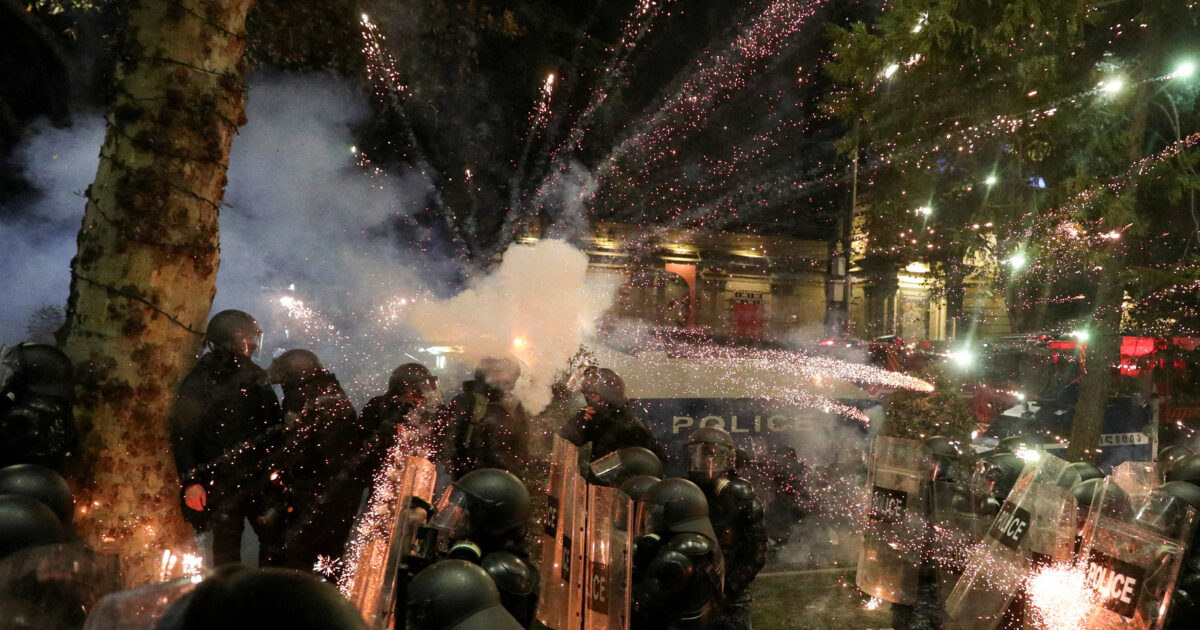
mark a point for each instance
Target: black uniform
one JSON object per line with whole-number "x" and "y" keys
{"x": 225, "y": 427}
{"x": 322, "y": 438}
{"x": 485, "y": 514}
{"x": 737, "y": 518}
{"x": 610, "y": 428}
{"x": 491, "y": 430}
{"x": 36, "y": 417}
{"x": 678, "y": 569}
{"x": 382, "y": 419}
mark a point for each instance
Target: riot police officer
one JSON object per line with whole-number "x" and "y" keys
{"x": 456, "y": 595}
{"x": 736, "y": 515}
{"x": 225, "y": 429}
{"x": 607, "y": 422}
{"x": 491, "y": 427}
{"x": 678, "y": 569}
{"x": 483, "y": 517}
{"x": 412, "y": 404}
{"x": 321, "y": 436}
{"x": 618, "y": 466}
{"x": 36, "y": 419}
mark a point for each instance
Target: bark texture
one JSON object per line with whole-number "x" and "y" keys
{"x": 143, "y": 279}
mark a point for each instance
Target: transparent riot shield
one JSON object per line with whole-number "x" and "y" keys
{"x": 141, "y": 608}
{"x": 894, "y": 531}
{"x": 1136, "y": 478}
{"x": 1132, "y": 562}
{"x": 959, "y": 520}
{"x": 383, "y": 537}
{"x": 53, "y": 586}
{"x": 1035, "y": 526}
{"x": 609, "y": 560}
{"x": 564, "y": 529}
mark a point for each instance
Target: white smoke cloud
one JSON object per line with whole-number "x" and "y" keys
{"x": 37, "y": 237}
{"x": 537, "y": 306}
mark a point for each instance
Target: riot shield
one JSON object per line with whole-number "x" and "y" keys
{"x": 53, "y": 586}
{"x": 894, "y": 531}
{"x": 383, "y": 537}
{"x": 959, "y": 519}
{"x": 560, "y": 604}
{"x": 1132, "y": 563}
{"x": 609, "y": 560}
{"x": 141, "y": 608}
{"x": 1035, "y": 526}
{"x": 1136, "y": 478}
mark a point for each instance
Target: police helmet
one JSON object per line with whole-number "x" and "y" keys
{"x": 41, "y": 483}
{"x": 41, "y": 369}
{"x": 710, "y": 453}
{"x": 1078, "y": 472}
{"x": 1185, "y": 469}
{"x": 409, "y": 375}
{"x": 294, "y": 367}
{"x": 636, "y": 487}
{"x": 233, "y": 332}
{"x": 456, "y": 595}
{"x": 484, "y": 503}
{"x": 499, "y": 372}
{"x": 674, "y": 506}
{"x": 997, "y": 473}
{"x": 27, "y": 522}
{"x": 603, "y": 385}
{"x": 240, "y": 598}
{"x": 614, "y": 468}
{"x": 1171, "y": 454}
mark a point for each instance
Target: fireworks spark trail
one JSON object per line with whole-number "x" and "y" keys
{"x": 1061, "y": 597}
{"x": 634, "y": 29}
{"x": 382, "y": 72}
{"x": 715, "y": 80}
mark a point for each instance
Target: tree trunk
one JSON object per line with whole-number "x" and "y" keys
{"x": 145, "y": 273}
{"x": 1103, "y": 352}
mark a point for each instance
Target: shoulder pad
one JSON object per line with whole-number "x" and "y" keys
{"x": 690, "y": 544}
{"x": 739, "y": 494}
{"x": 511, "y": 573}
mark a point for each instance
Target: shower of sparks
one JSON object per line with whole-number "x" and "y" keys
{"x": 370, "y": 543}
{"x": 1061, "y": 597}
{"x": 717, "y": 77}
{"x": 872, "y": 604}
{"x": 327, "y": 566}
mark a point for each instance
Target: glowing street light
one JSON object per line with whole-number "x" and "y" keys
{"x": 991, "y": 180}
{"x": 1112, "y": 85}
{"x": 1018, "y": 261}
{"x": 962, "y": 357}
{"x": 1184, "y": 70}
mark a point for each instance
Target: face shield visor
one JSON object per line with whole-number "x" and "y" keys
{"x": 431, "y": 396}
{"x": 451, "y": 515}
{"x": 6, "y": 376}
{"x": 985, "y": 479}
{"x": 649, "y": 519}
{"x": 609, "y": 469}
{"x": 708, "y": 460}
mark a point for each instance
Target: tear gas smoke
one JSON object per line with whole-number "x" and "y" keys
{"x": 537, "y": 306}
{"x": 38, "y": 233}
